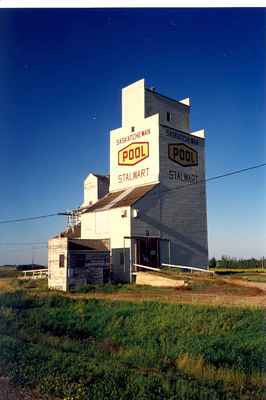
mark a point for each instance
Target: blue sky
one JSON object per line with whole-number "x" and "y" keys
{"x": 61, "y": 73}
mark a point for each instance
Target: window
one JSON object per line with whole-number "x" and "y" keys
{"x": 122, "y": 260}
{"x": 61, "y": 261}
{"x": 132, "y": 128}
{"x": 124, "y": 214}
{"x": 168, "y": 116}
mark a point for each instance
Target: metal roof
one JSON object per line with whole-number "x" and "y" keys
{"x": 122, "y": 198}
{"x": 89, "y": 244}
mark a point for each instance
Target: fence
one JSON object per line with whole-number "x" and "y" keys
{"x": 35, "y": 274}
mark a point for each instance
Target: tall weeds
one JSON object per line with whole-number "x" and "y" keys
{"x": 199, "y": 369}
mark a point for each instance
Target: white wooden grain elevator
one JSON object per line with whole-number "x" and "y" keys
{"x": 153, "y": 208}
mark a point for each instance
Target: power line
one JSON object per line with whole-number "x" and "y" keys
{"x": 235, "y": 172}
{"x": 212, "y": 178}
{"x": 7, "y": 221}
{"x": 23, "y": 244}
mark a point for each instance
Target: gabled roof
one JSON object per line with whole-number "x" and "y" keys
{"x": 122, "y": 198}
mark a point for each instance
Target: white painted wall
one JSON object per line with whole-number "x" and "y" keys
{"x": 133, "y": 103}
{"x": 95, "y": 187}
{"x": 110, "y": 224}
{"x": 57, "y": 276}
{"x": 105, "y": 224}
{"x": 90, "y": 190}
{"x": 145, "y": 171}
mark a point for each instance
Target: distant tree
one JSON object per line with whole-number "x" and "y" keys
{"x": 212, "y": 262}
{"x": 226, "y": 262}
{"x": 232, "y": 262}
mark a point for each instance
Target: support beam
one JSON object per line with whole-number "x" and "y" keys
{"x": 146, "y": 267}
{"x": 186, "y": 267}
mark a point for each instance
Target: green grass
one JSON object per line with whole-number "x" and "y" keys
{"x": 237, "y": 270}
{"x": 121, "y": 288}
{"x": 36, "y": 285}
{"x": 94, "y": 349}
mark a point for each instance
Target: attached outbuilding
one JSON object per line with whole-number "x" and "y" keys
{"x": 73, "y": 263}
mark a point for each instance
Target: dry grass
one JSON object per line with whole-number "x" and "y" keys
{"x": 244, "y": 283}
{"x": 216, "y": 295}
{"x": 211, "y": 291}
{"x": 253, "y": 277}
{"x": 199, "y": 369}
{"x": 6, "y": 284}
{"x": 238, "y": 270}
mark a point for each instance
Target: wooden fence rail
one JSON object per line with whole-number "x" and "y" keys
{"x": 35, "y": 274}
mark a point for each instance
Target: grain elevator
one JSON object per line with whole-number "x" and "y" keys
{"x": 151, "y": 209}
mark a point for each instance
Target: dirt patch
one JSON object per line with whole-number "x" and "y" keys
{"x": 214, "y": 291}
{"x": 228, "y": 289}
{"x": 247, "y": 284}
{"x": 211, "y": 291}
{"x": 109, "y": 346}
{"x": 146, "y": 278}
{"x": 182, "y": 297}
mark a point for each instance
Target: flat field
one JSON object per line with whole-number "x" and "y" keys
{"x": 99, "y": 345}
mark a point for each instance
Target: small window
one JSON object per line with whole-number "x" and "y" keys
{"x": 122, "y": 258}
{"x": 61, "y": 261}
{"x": 132, "y": 128}
{"x": 124, "y": 214}
{"x": 168, "y": 116}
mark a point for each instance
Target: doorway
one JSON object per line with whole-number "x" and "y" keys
{"x": 147, "y": 251}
